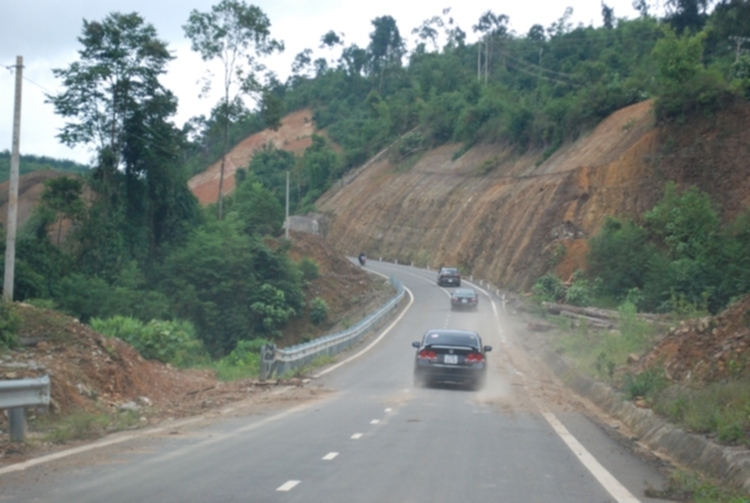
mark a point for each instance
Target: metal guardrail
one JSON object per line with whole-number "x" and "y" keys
{"x": 19, "y": 393}
{"x": 294, "y": 357}
{"x": 31, "y": 392}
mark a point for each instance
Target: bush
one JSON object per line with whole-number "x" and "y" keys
{"x": 619, "y": 254}
{"x": 10, "y": 322}
{"x": 309, "y": 269}
{"x": 580, "y": 292}
{"x": 644, "y": 385}
{"x": 171, "y": 342}
{"x": 318, "y": 310}
{"x": 548, "y": 288}
{"x": 243, "y": 362}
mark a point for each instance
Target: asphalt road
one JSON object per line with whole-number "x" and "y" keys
{"x": 375, "y": 438}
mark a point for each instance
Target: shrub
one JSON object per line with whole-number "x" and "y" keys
{"x": 644, "y": 385}
{"x": 243, "y": 362}
{"x": 318, "y": 310}
{"x": 10, "y": 322}
{"x": 309, "y": 269}
{"x": 619, "y": 254}
{"x": 548, "y": 288}
{"x": 579, "y": 293}
{"x": 171, "y": 342}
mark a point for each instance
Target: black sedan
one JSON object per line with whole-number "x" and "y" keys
{"x": 451, "y": 356}
{"x": 449, "y": 276}
{"x": 464, "y": 298}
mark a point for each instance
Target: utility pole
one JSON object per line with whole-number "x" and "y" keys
{"x": 10, "y": 242}
{"x": 286, "y": 219}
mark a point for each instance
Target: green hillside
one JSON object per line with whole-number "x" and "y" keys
{"x": 29, "y": 163}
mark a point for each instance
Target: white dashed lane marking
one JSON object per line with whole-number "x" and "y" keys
{"x": 375, "y": 421}
{"x": 356, "y": 436}
{"x": 288, "y": 486}
{"x": 330, "y": 456}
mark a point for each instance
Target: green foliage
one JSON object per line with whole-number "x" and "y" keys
{"x": 580, "y": 292}
{"x": 257, "y": 208}
{"x": 237, "y": 35}
{"x": 644, "y": 385}
{"x": 90, "y": 297}
{"x": 171, "y": 342}
{"x": 318, "y": 310}
{"x": 721, "y": 409}
{"x": 548, "y": 288}
{"x": 230, "y": 285}
{"x": 271, "y": 310}
{"x": 308, "y": 268}
{"x": 10, "y": 322}
{"x": 242, "y": 362}
{"x": 618, "y": 255}
{"x": 686, "y": 85}
{"x": 30, "y": 163}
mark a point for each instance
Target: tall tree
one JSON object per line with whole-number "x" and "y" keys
{"x": 238, "y": 35}
{"x": 117, "y": 73}
{"x": 386, "y": 46}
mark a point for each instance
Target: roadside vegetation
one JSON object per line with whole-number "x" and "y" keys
{"x": 134, "y": 252}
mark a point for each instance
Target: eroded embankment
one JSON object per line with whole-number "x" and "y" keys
{"x": 505, "y": 223}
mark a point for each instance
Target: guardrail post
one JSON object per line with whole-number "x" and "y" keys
{"x": 17, "y": 420}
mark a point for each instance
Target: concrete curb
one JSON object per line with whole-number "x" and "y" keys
{"x": 728, "y": 464}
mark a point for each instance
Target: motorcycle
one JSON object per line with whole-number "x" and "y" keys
{"x": 362, "y": 259}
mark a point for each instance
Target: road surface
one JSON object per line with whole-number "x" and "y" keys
{"x": 374, "y": 437}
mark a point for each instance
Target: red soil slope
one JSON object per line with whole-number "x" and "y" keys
{"x": 295, "y": 135}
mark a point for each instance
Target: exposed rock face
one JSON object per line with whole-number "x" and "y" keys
{"x": 501, "y": 216}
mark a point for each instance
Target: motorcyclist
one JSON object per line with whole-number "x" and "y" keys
{"x": 362, "y": 258}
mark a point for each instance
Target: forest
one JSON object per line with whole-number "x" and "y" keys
{"x": 139, "y": 245}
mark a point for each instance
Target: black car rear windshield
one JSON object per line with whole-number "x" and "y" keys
{"x": 448, "y": 270}
{"x": 450, "y": 339}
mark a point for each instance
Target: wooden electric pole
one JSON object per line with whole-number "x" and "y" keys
{"x": 286, "y": 218}
{"x": 10, "y": 242}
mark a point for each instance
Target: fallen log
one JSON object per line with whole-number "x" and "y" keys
{"x": 594, "y": 322}
{"x": 595, "y": 312}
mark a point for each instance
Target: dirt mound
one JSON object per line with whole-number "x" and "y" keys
{"x": 295, "y": 135}
{"x": 89, "y": 371}
{"x": 707, "y": 349}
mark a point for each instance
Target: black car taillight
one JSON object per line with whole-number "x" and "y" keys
{"x": 474, "y": 358}
{"x": 427, "y": 354}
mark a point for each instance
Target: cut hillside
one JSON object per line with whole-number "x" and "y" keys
{"x": 503, "y": 216}
{"x": 30, "y": 188}
{"x": 294, "y": 135}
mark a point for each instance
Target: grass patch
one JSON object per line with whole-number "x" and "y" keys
{"x": 84, "y": 425}
{"x": 719, "y": 409}
{"x": 599, "y": 353}
{"x": 687, "y": 486}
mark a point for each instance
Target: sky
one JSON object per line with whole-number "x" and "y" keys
{"x": 45, "y": 33}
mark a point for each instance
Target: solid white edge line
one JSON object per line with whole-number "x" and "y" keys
{"x": 372, "y": 344}
{"x": 77, "y": 450}
{"x": 611, "y": 484}
{"x": 606, "y": 479}
{"x": 288, "y": 486}
{"x": 330, "y": 456}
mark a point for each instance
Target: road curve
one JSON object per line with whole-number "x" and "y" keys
{"x": 375, "y": 438}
